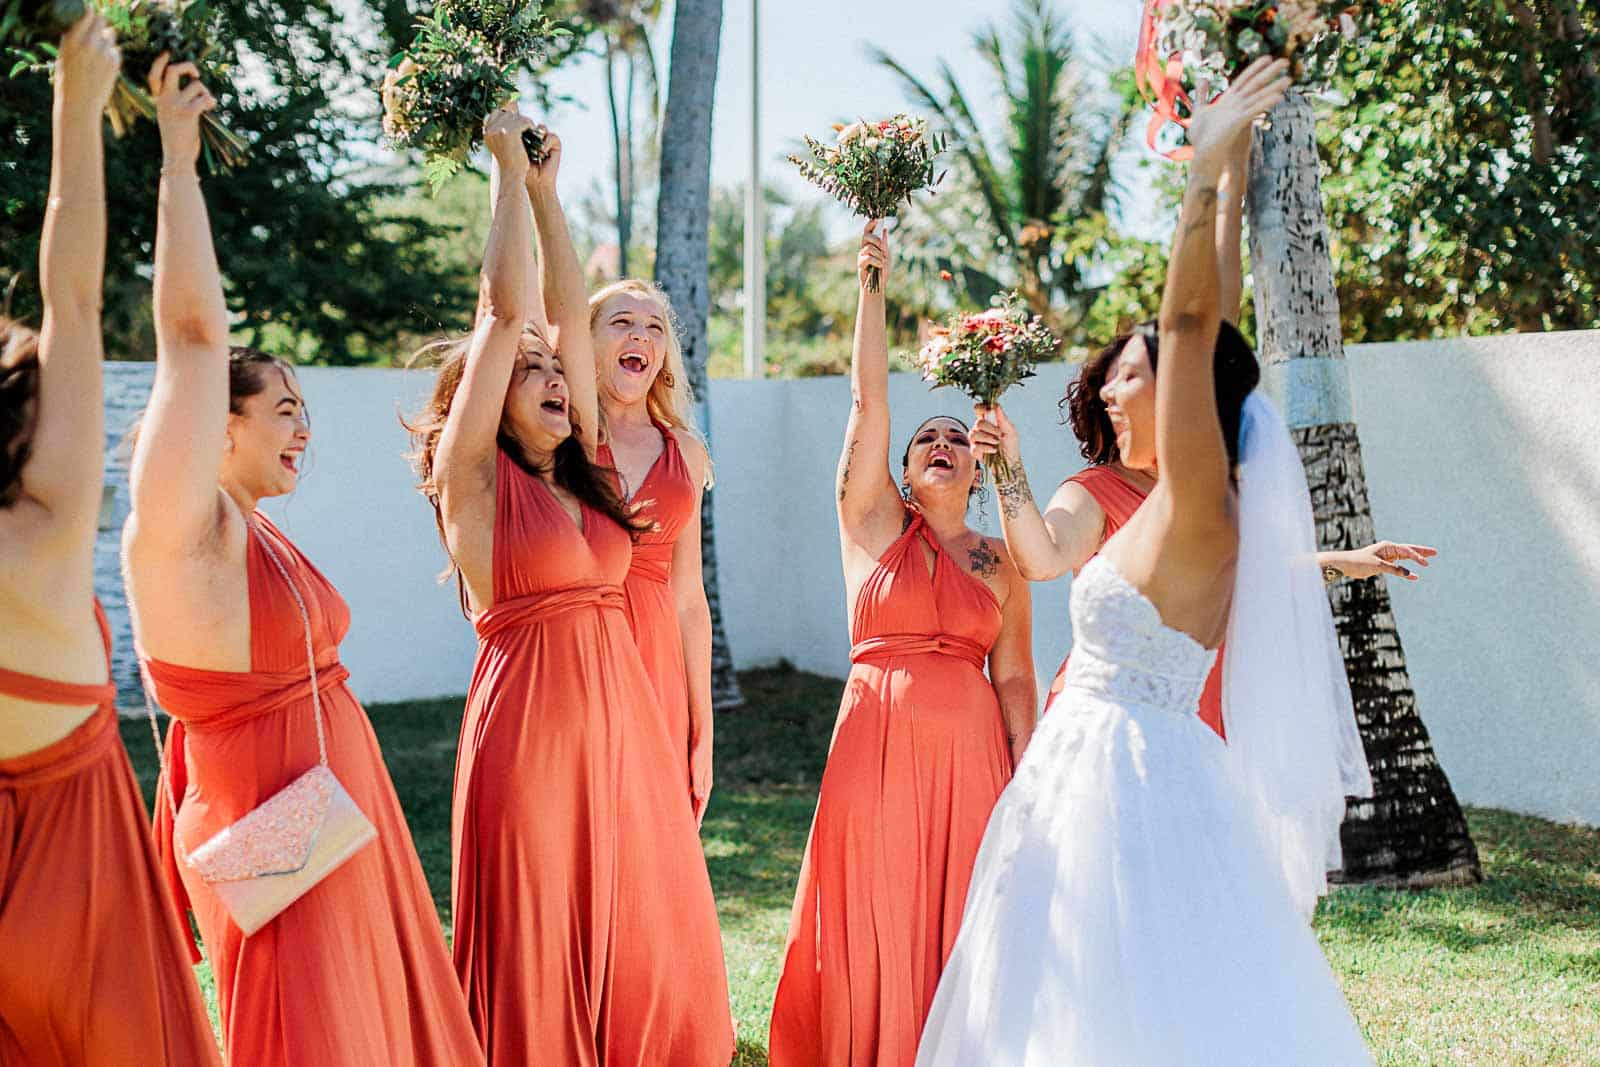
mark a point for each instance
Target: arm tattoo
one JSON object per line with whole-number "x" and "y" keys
{"x": 985, "y": 563}
{"x": 1208, "y": 207}
{"x": 844, "y": 475}
{"x": 1013, "y": 492}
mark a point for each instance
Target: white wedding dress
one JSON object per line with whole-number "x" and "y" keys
{"x": 1126, "y": 908}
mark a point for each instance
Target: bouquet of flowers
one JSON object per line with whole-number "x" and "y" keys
{"x": 459, "y": 68}
{"x": 187, "y": 29}
{"x": 872, "y": 168}
{"x": 987, "y": 352}
{"x": 1184, "y": 42}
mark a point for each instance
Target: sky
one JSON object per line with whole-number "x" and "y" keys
{"x": 815, "y": 72}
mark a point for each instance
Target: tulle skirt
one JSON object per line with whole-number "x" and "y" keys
{"x": 1124, "y": 910}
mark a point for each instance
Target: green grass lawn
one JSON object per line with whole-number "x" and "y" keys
{"x": 1504, "y": 973}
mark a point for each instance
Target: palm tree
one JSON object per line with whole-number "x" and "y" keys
{"x": 1411, "y": 832}
{"x": 1053, "y": 170}
{"x": 625, "y": 26}
{"x": 683, "y": 213}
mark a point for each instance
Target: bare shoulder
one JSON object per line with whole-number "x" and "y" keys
{"x": 1072, "y": 498}
{"x": 695, "y": 454}
{"x": 988, "y": 559}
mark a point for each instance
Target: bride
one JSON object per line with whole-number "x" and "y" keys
{"x": 1142, "y": 889}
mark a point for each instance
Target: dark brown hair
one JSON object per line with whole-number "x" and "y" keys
{"x": 1235, "y": 374}
{"x": 247, "y": 377}
{"x": 570, "y": 466}
{"x": 979, "y": 489}
{"x": 19, "y": 404}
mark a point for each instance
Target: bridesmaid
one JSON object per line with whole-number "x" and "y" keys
{"x": 93, "y": 966}
{"x": 356, "y": 971}
{"x": 1092, "y": 505}
{"x": 648, "y": 436}
{"x": 585, "y": 930}
{"x": 924, "y": 742}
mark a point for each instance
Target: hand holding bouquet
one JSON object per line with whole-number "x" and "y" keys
{"x": 987, "y": 352}
{"x": 873, "y": 168}
{"x": 183, "y": 30}
{"x": 460, "y": 68}
{"x": 1184, "y": 43}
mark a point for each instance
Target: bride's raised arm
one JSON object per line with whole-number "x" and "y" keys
{"x": 866, "y": 494}
{"x": 1190, "y": 451}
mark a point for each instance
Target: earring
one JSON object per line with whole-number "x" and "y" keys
{"x": 667, "y": 379}
{"x": 227, "y": 445}
{"x": 905, "y": 492}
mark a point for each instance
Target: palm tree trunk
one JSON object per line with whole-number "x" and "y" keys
{"x": 625, "y": 173}
{"x": 617, "y": 155}
{"x": 683, "y": 216}
{"x": 1411, "y": 832}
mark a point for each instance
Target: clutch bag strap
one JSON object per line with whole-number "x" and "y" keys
{"x": 311, "y": 667}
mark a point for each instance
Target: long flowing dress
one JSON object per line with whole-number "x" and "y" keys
{"x": 93, "y": 966}
{"x": 356, "y": 971}
{"x": 666, "y": 500}
{"x": 1119, "y": 500}
{"x": 585, "y": 929}
{"x": 918, "y": 759}
{"x": 1125, "y": 907}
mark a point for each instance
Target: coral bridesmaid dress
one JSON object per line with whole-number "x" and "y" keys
{"x": 666, "y": 499}
{"x": 1119, "y": 501}
{"x": 356, "y": 971}
{"x": 585, "y": 929}
{"x": 919, "y": 757}
{"x": 94, "y": 968}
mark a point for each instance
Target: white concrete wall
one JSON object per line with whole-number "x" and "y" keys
{"x": 1485, "y": 448}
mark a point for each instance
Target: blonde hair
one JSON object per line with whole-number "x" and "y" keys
{"x": 671, "y": 398}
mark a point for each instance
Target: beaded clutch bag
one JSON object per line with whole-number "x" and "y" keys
{"x": 278, "y": 851}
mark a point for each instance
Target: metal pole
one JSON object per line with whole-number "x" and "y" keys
{"x": 755, "y": 251}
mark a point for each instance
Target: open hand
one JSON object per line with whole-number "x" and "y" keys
{"x": 700, "y": 775}
{"x": 874, "y": 253}
{"x": 1218, "y": 124}
{"x": 179, "y": 106}
{"x": 1385, "y": 557}
{"x": 88, "y": 64}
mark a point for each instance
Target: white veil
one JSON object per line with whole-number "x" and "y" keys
{"x": 1286, "y": 703}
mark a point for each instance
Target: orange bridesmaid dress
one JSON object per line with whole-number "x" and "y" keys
{"x": 666, "y": 499}
{"x": 93, "y": 966}
{"x": 1119, "y": 501}
{"x": 918, "y": 759}
{"x": 585, "y": 929}
{"x": 355, "y": 972}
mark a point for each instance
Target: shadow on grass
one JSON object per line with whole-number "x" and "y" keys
{"x": 1512, "y": 960}
{"x": 1541, "y": 879}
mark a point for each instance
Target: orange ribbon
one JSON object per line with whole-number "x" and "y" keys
{"x": 1160, "y": 81}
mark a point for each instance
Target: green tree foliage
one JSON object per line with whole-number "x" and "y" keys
{"x": 811, "y": 289}
{"x": 314, "y": 263}
{"x": 1024, "y": 196}
{"x": 1465, "y": 171}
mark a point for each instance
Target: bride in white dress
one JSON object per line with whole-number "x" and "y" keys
{"x": 1142, "y": 893}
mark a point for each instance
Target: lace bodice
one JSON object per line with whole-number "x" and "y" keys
{"x": 1122, "y": 651}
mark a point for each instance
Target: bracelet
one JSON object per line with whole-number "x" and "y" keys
{"x": 180, "y": 170}
{"x": 1331, "y": 575}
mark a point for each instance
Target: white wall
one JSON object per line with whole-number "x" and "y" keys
{"x": 1485, "y": 448}
{"x": 359, "y": 518}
